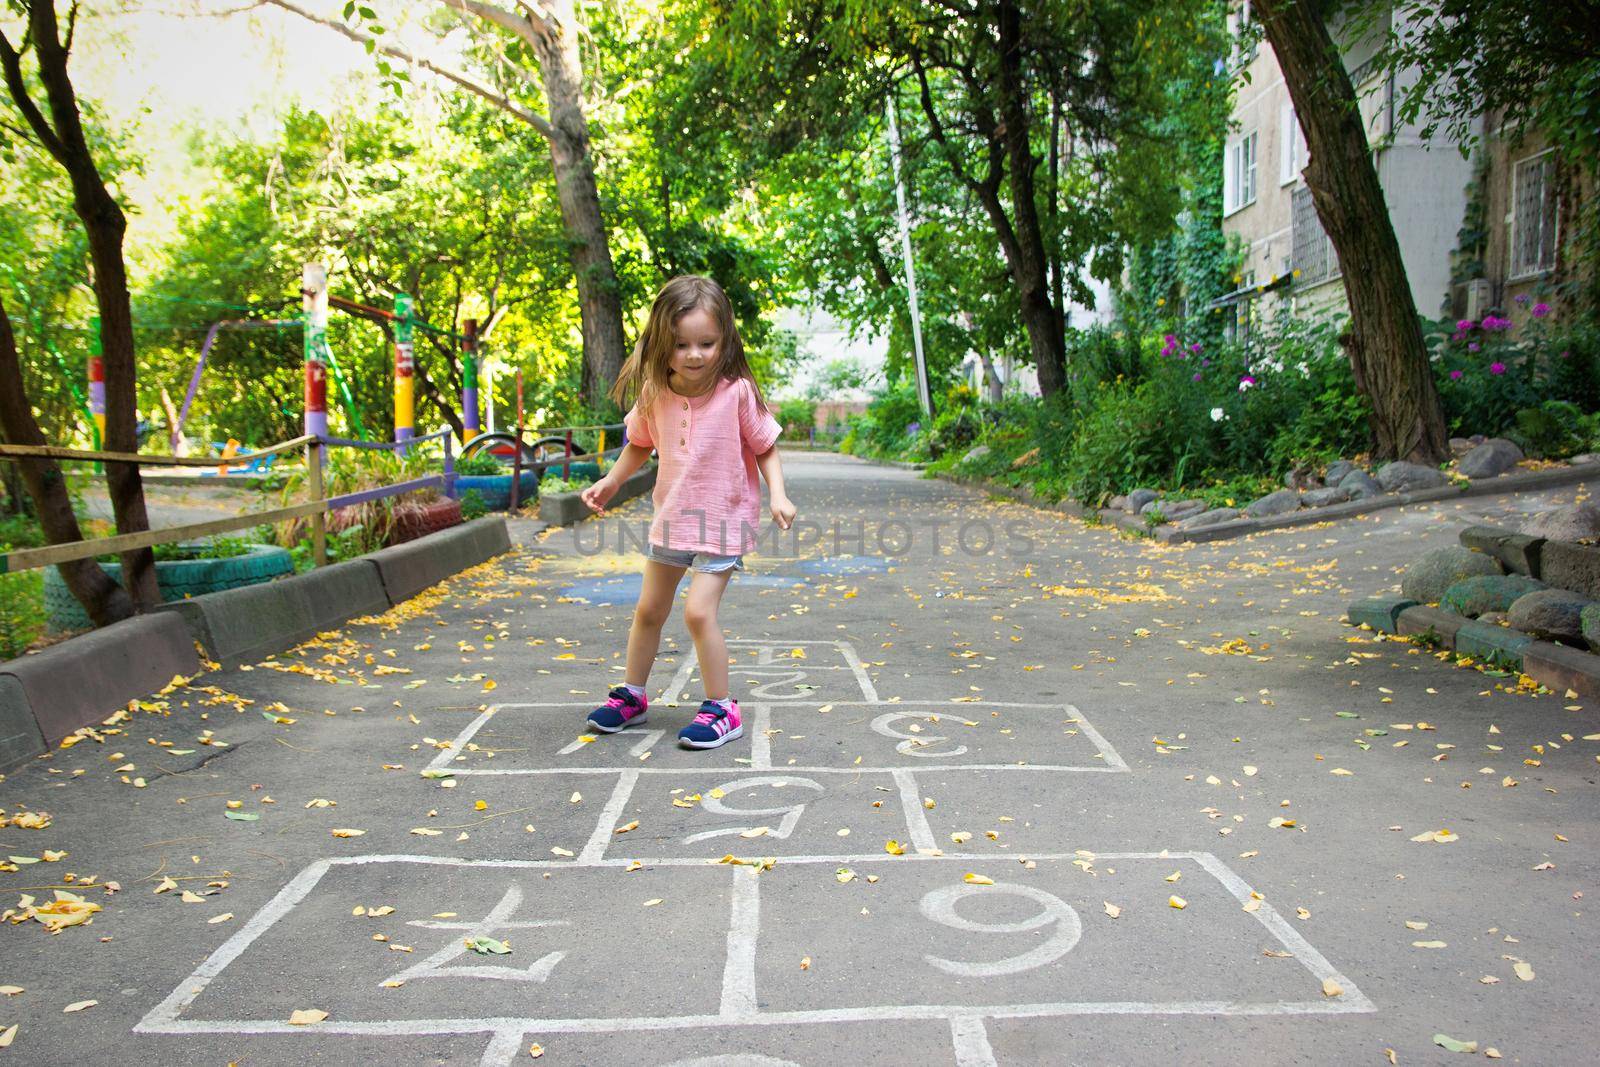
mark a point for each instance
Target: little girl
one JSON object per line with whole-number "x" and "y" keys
{"x": 699, "y": 407}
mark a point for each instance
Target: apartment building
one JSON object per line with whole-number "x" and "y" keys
{"x": 1289, "y": 263}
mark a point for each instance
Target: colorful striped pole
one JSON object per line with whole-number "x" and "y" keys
{"x": 314, "y": 290}
{"x": 469, "y": 379}
{"x": 97, "y": 384}
{"x": 405, "y": 400}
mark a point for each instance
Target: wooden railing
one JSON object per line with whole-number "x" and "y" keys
{"x": 316, "y": 505}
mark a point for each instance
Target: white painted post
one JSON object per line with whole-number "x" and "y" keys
{"x": 911, "y": 275}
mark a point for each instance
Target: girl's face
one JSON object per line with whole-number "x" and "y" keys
{"x": 696, "y": 339}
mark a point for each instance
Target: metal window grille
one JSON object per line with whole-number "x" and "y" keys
{"x": 1311, "y": 256}
{"x": 1533, "y": 221}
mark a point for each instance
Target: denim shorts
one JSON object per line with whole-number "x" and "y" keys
{"x": 710, "y": 563}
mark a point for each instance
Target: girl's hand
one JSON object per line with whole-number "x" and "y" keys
{"x": 783, "y": 511}
{"x": 598, "y": 494}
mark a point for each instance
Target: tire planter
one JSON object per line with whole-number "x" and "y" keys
{"x": 177, "y": 579}
{"x": 496, "y": 488}
{"x": 412, "y": 521}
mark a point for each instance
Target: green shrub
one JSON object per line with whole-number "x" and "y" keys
{"x": 482, "y": 465}
{"x": 472, "y": 505}
{"x": 554, "y": 483}
{"x": 797, "y": 417}
{"x": 22, "y": 612}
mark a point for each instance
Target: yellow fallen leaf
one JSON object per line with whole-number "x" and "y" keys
{"x": 844, "y": 875}
{"x": 79, "y": 1005}
{"x": 977, "y": 879}
{"x": 167, "y": 885}
{"x": 346, "y": 832}
{"x": 480, "y": 805}
{"x": 894, "y": 848}
{"x": 1523, "y": 970}
{"x": 1428, "y": 944}
{"x": 1330, "y": 988}
{"x": 755, "y": 831}
{"x": 1413, "y": 924}
{"x": 634, "y": 825}
{"x": 1111, "y": 909}
{"x": 306, "y": 1016}
{"x": 8, "y": 1035}
{"x": 191, "y": 898}
{"x": 224, "y": 917}
{"x": 536, "y": 1050}
{"x": 560, "y": 851}
{"x": 651, "y": 903}
{"x": 1177, "y": 902}
{"x": 575, "y": 798}
{"x": 1174, "y": 876}
{"x": 10, "y": 990}
{"x": 423, "y": 831}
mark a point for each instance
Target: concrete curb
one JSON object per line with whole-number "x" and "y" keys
{"x": 1557, "y": 667}
{"x": 409, "y": 568}
{"x": 1171, "y": 535}
{"x": 51, "y": 694}
{"x": 564, "y": 509}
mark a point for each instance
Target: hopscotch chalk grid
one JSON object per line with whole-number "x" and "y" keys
{"x": 721, "y": 949}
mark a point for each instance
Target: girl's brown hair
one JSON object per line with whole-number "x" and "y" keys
{"x": 645, "y": 373}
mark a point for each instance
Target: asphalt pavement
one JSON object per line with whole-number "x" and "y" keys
{"x": 1013, "y": 789}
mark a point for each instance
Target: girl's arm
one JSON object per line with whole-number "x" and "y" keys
{"x": 783, "y": 509}
{"x": 598, "y": 494}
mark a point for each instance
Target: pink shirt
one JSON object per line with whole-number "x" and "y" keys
{"x": 707, "y": 496}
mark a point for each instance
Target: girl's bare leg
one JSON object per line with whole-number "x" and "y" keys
{"x": 700, "y": 614}
{"x": 649, "y": 615}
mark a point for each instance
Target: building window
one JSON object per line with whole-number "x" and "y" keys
{"x": 1312, "y": 257}
{"x": 1533, "y": 215}
{"x": 1239, "y": 174}
{"x": 1246, "y": 36}
{"x": 1292, "y": 154}
{"x": 1240, "y": 315}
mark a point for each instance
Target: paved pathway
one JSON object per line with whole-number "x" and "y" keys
{"x": 976, "y": 782}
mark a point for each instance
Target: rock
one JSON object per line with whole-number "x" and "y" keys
{"x": 1301, "y": 478}
{"x": 1589, "y": 619}
{"x": 1584, "y": 457}
{"x": 1361, "y": 485}
{"x": 1426, "y": 580}
{"x": 1181, "y": 509}
{"x": 1474, "y": 596}
{"x": 1336, "y": 472}
{"x": 1280, "y": 503}
{"x": 1477, "y": 439}
{"x": 1118, "y": 503}
{"x": 1209, "y": 518}
{"x": 978, "y": 452}
{"x": 1495, "y": 618}
{"x": 1460, "y": 446}
{"x": 1575, "y": 522}
{"x": 1553, "y": 614}
{"x": 1517, "y": 553}
{"x": 1490, "y": 459}
{"x": 1403, "y": 477}
{"x": 1321, "y": 498}
{"x": 1138, "y": 499}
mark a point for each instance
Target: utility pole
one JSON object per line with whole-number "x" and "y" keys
{"x": 911, "y": 274}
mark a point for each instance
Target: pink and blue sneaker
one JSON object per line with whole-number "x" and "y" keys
{"x": 620, "y": 710}
{"x": 713, "y": 726}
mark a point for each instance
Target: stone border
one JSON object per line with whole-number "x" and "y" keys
{"x": 1171, "y": 534}
{"x": 564, "y": 509}
{"x": 1557, "y": 667}
{"x": 84, "y": 680}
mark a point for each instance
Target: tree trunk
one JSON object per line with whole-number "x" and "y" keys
{"x": 1387, "y": 353}
{"x": 103, "y": 599}
{"x": 1030, "y": 261}
{"x": 599, "y": 301}
{"x": 63, "y": 136}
